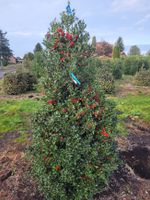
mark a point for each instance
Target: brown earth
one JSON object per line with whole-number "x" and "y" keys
{"x": 130, "y": 182}
{"x": 129, "y": 88}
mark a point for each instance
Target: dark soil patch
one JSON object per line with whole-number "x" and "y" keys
{"x": 139, "y": 160}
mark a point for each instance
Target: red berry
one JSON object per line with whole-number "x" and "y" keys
{"x": 77, "y": 37}
{"x": 57, "y": 168}
{"x": 62, "y": 52}
{"x": 104, "y": 133}
{"x": 71, "y": 44}
{"x": 59, "y": 30}
{"x": 76, "y": 100}
{"x": 62, "y": 34}
{"x": 62, "y": 59}
{"x": 69, "y": 36}
{"x": 52, "y": 102}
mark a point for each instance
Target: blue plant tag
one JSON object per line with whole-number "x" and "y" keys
{"x": 75, "y": 79}
{"x": 68, "y": 10}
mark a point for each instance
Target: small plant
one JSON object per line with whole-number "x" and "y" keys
{"x": 143, "y": 77}
{"x": 18, "y": 83}
{"x": 117, "y": 72}
{"x": 106, "y": 80}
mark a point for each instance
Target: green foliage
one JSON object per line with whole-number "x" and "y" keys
{"x": 38, "y": 48}
{"x": 133, "y": 64}
{"x": 29, "y": 56}
{"x": 117, "y": 73}
{"x": 105, "y": 78}
{"x": 5, "y": 63}
{"x": 134, "y": 51}
{"x": 17, "y": 83}
{"x": 116, "y": 52}
{"x": 28, "y": 62}
{"x": 143, "y": 77}
{"x": 5, "y": 51}
{"x": 16, "y": 114}
{"x": 120, "y": 44}
{"x": 148, "y": 53}
{"x": 38, "y": 64}
{"x": 94, "y": 42}
{"x": 117, "y": 68}
{"x": 128, "y": 65}
{"x": 73, "y": 150}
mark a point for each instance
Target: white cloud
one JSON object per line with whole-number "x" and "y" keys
{"x": 143, "y": 20}
{"x": 126, "y": 5}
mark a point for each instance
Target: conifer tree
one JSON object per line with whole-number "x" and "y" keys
{"x": 5, "y": 51}
{"x": 73, "y": 150}
{"x": 116, "y": 51}
{"x": 38, "y": 48}
{"x": 134, "y": 51}
{"x": 94, "y": 42}
{"x": 120, "y": 44}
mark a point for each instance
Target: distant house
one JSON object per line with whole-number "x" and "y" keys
{"x": 12, "y": 60}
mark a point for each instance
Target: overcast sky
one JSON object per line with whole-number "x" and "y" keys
{"x": 27, "y": 21}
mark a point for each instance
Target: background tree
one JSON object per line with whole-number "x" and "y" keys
{"x": 5, "y": 51}
{"x": 28, "y": 61}
{"x": 116, "y": 51}
{"x": 94, "y": 42}
{"x": 148, "y": 53}
{"x": 134, "y": 51}
{"x": 73, "y": 150}
{"x": 120, "y": 44}
{"x": 38, "y": 64}
{"x": 29, "y": 56}
{"x": 104, "y": 48}
{"x": 38, "y": 48}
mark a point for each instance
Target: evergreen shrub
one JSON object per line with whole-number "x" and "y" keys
{"x": 73, "y": 150}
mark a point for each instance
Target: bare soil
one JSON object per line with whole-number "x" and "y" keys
{"x": 128, "y": 88}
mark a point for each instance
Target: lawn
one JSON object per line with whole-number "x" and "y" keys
{"x": 16, "y": 114}
{"x": 136, "y": 106}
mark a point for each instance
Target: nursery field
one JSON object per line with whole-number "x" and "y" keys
{"x": 133, "y": 107}
{"x": 74, "y": 110}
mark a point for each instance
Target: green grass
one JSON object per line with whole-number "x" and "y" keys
{"x": 22, "y": 138}
{"x": 16, "y": 114}
{"x": 137, "y": 106}
{"x": 125, "y": 79}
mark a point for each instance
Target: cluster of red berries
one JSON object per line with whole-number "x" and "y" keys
{"x": 67, "y": 35}
{"x": 104, "y": 133}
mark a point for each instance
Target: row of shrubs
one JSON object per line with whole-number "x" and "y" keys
{"x": 18, "y": 83}
{"x": 142, "y": 78}
{"x": 106, "y": 71}
{"x": 128, "y": 65}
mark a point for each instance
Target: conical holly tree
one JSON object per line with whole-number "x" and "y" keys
{"x": 73, "y": 150}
